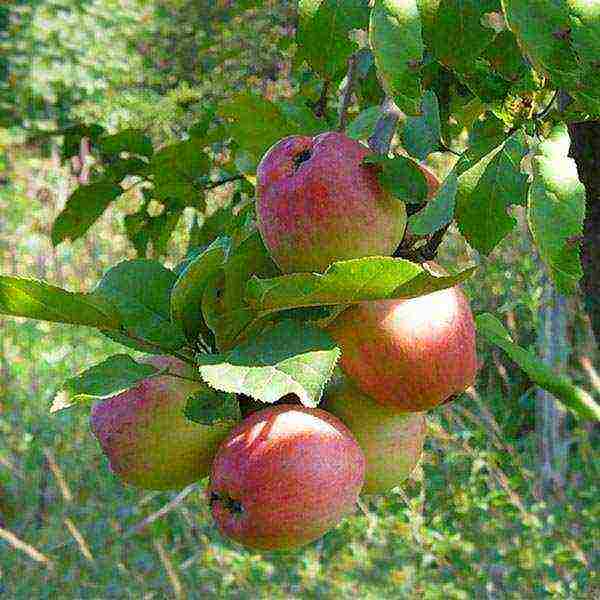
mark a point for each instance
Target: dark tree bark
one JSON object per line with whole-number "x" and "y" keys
{"x": 585, "y": 149}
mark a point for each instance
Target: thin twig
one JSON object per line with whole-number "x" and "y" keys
{"x": 78, "y": 537}
{"x": 167, "y": 508}
{"x": 347, "y": 93}
{"x": 175, "y": 353}
{"x": 168, "y": 565}
{"x": 19, "y": 544}
{"x": 214, "y": 184}
{"x": 58, "y": 475}
{"x": 321, "y": 105}
{"x": 448, "y": 149}
{"x": 11, "y": 467}
{"x": 426, "y": 252}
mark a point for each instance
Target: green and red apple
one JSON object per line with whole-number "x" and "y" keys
{"x": 392, "y": 442}
{"x": 409, "y": 354}
{"x": 318, "y": 204}
{"x": 284, "y": 477}
{"x": 147, "y": 438}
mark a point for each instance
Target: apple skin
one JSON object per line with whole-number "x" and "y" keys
{"x": 317, "y": 204}
{"x": 148, "y": 441}
{"x": 285, "y": 476}
{"x": 409, "y": 355}
{"x": 392, "y": 442}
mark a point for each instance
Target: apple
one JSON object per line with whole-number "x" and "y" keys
{"x": 285, "y": 476}
{"x": 318, "y": 204}
{"x": 146, "y": 437}
{"x": 409, "y": 354}
{"x": 391, "y": 441}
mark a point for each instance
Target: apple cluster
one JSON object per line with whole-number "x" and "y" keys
{"x": 286, "y": 474}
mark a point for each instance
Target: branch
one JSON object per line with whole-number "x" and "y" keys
{"x": 215, "y": 184}
{"x": 19, "y": 544}
{"x": 347, "y": 93}
{"x": 585, "y": 149}
{"x": 321, "y": 105}
{"x": 385, "y": 129}
{"x": 424, "y": 253}
{"x": 161, "y": 512}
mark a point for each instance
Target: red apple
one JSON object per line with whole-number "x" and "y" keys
{"x": 146, "y": 437}
{"x": 391, "y": 441}
{"x": 284, "y": 477}
{"x": 410, "y": 355}
{"x": 318, "y": 204}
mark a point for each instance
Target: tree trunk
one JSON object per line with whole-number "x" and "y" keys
{"x": 553, "y": 347}
{"x": 585, "y": 149}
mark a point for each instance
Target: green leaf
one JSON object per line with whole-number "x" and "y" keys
{"x": 136, "y": 227}
{"x": 122, "y": 167}
{"x": 200, "y": 128}
{"x": 540, "y": 27}
{"x": 584, "y": 18}
{"x": 161, "y": 228}
{"x": 108, "y": 378}
{"x": 455, "y": 30}
{"x": 186, "y": 296}
{"x": 301, "y": 117}
{"x": 224, "y": 306}
{"x": 505, "y": 56}
{"x": 84, "y": 206}
{"x": 561, "y": 39}
{"x": 362, "y": 127}
{"x": 179, "y": 171}
{"x": 133, "y": 141}
{"x": 39, "y": 300}
{"x": 401, "y": 177}
{"x": 255, "y": 124}
{"x": 322, "y": 35}
{"x": 289, "y": 358}
{"x": 395, "y": 36}
{"x": 487, "y": 190}
{"x": 141, "y": 290}
{"x": 348, "y": 282}
{"x": 573, "y": 397}
{"x": 556, "y": 210}
{"x": 421, "y": 135}
{"x": 485, "y": 136}
{"x": 438, "y": 212}
{"x": 212, "y": 227}
{"x": 209, "y": 407}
